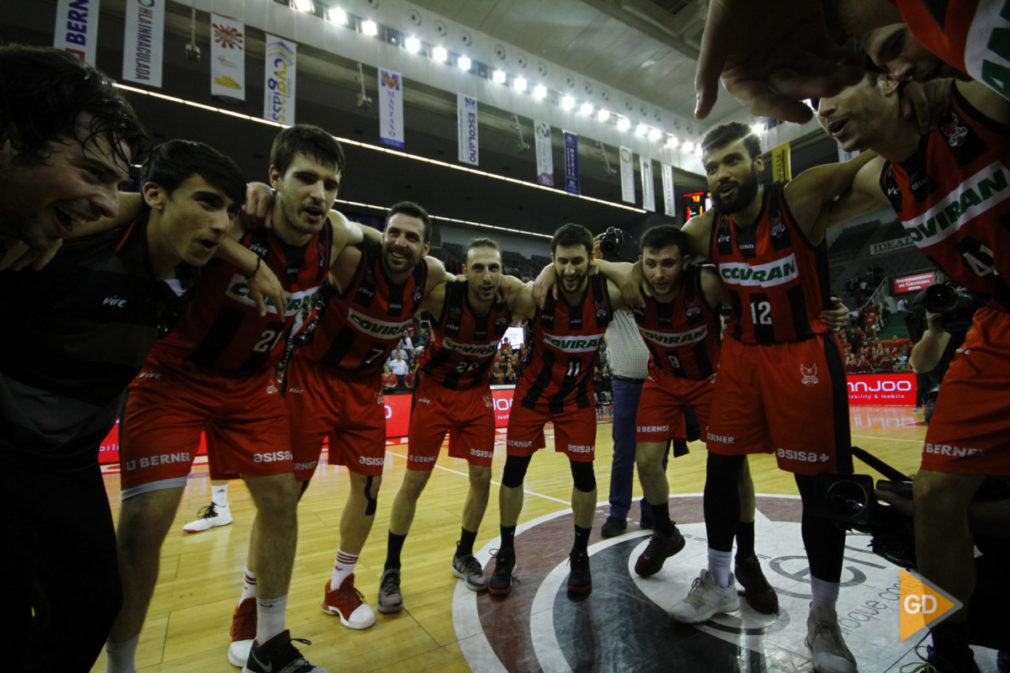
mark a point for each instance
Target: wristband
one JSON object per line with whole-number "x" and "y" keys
{"x": 250, "y": 276}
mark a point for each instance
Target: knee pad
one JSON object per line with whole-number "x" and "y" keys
{"x": 372, "y": 503}
{"x": 583, "y": 476}
{"x": 515, "y": 471}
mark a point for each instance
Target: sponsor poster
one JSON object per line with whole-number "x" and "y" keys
{"x": 782, "y": 169}
{"x": 279, "y": 80}
{"x": 466, "y": 122}
{"x": 545, "y": 158}
{"x": 914, "y": 282}
{"x": 627, "y": 175}
{"x": 669, "y": 195}
{"x": 390, "y": 108}
{"x": 893, "y": 244}
{"x": 144, "y": 41}
{"x": 76, "y": 29}
{"x": 227, "y": 57}
{"x": 882, "y": 389}
{"x": 571, "y": 162}
{"x": 648, "y": 190}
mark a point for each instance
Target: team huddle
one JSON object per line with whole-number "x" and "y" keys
{"x": 261, "y": 319}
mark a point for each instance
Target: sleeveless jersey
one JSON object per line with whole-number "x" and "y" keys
{"x": 953, "y": 198}
{"x": 463, "y": 344}
{"x": 223, "y": 330}
{"x": 356, "y": 330}
{"x": 564, "y": 344}
{"x": 968, "y": 34}
{"x": 682, "y": 335}
{"x": 776, "y": 279}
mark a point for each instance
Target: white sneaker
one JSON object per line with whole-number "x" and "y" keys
{"x": 238, "y": 652}
{"x": 210, "y": 516}
{"x": 826, "y": 645}
{"x": 706, "y": 599}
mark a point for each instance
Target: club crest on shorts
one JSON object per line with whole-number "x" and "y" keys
{"x": 809, "y": 375}
{"x": 272, "y": 389}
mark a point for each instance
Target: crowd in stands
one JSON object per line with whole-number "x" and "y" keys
{"x": 504, "y": 370}
{"x": 400, "y": 371}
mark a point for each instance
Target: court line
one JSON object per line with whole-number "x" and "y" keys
{"x": 889, "y": 439}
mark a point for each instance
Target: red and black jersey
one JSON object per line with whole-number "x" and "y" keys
{"x": 564, "y": 344}
{"x": 953, "y": 198}
{"x": 777, "y": 280}
{"x": 223, "y": 330}
{"x": 463, "y": 344}
{"x": 357, "y": 329}
{"x": 683, "y": 335}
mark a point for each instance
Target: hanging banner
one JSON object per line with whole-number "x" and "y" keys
{"x": 466, "y": 122}
{"x": 571, "y": 162}
{"x": 279, "y": 80}
{"x": 648, "y": 188}
{"x": 143, "y": 41}
{"x": 545, "y": 159}
{"x": 77, "y": 28}
{"x": 669, "y": 202}
{"x": 782, "y": 169}
{"x": 227, "y": 57}
{"x": 627, "y": 175}
{"x": 390, "y": 108}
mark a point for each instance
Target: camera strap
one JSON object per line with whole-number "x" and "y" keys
{"x": 878, "y": 465}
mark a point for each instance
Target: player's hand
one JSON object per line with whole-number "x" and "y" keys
{"x": 263, "y": 287}
{"x": 546, "y": 283}
{"x": 772, "y": 55}
{"x": 837, "y": 316}
{"x": 18, "y": 255}
{"x": 259, "y": 203}
{"x": 927, "y": 103}
{"x": 636, "y": 289}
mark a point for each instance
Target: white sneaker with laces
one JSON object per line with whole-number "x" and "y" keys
{"x": 826, "y": 645}
{"x": 469, "y": 569}
{"x": 209, "y": 517}
{"x": 706, "y": 599}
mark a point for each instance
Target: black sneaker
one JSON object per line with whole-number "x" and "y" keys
{"x": 613, "y": 526}
{"x": 660, "y": 548}
{"x": 580, "y": 579}
{"x": 1003, "y": 661}
{"x": 500, "y": 583}
{"x": 756, "y": 590}
{"x": 278, "y": 655}
{"x": 960, "y": 661}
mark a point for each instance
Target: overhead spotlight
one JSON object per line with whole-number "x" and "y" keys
{"x": 304, "y": 5}
{"x": 412, "y": 44}
{"x": 602, "y": 115}
{"x": 540, "y": 92}
{"x": 586, "y": 109}
{"x": 759, "y": 128}
{"x": 641, "y": 129}
{"x": 655, "y": 134}
{"x": 567, "y": 103}
{"x": 697, "y": 150}
{"x": 672, "y": 141}
{"x": 463, "y": 62}
{"x": 498, "y": 77}
{"x": 519, "y": 84}
{"x": 337, "y": 16}
{"x": 623, "y": 124}
{"x": 688, "y": 146}
{"x": 369, "y": 28}
{"x": 439, "y": 54}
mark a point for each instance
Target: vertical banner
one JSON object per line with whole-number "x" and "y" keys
{"x": 143, "y": 41}
{"x": 571, "y": 162}
{"x": 545, "y": 160}
{"x": 627, "y": 175}
{"x": 227, "y": 57}
{"x": 648, "y": 187}
{"x": 279, "y": 80}
{"x": 782, "y": 170}
{"x": 390, "y": 108}
{"x": 76, "y": 28}
{"x": 466, "y": 122}
{"x": 669, "y": 195}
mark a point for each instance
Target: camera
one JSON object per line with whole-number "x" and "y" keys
{"x": 954, "y": 303}
{"x": 611, "y": 240}
{"x": 193, "y": 52}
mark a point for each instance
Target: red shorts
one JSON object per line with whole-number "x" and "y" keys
{"x": 467, "y": 415}
{"x": 346, "y": 407}
{"x": 789, "y": 399}
{"x": 661, "y": 407}
{"x": 245, "y": 421}
{"x": 969, "y": 432}
{"x": 574, "y": 432}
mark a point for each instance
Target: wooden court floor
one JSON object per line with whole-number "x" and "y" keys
{"x": 201, "y": 574}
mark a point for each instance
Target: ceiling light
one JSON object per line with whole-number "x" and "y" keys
{"x": 655, "y": 134}
{"x": 519, "y": 84}
{"x": 672, "y": 141}
{"x": 602, "y": 115}
{"x": 540, "y": 92}
{"x": 439, "y": 54}
{"x": 498, "y": 76}
{"x": 688, "y": 146}
{"x": 759, "y": 128}
{"x": 412, "y": 44}
{"x": 337, "y": 16}
{"x": 369, "y": 28}
{"x": 567, "y": 103}
{"x": 697, "y": 150}
{"x": 304, "y": 5}
{"x": 463, "y": 62}
{"x": 641, "y": 129}
{"x": 586, "y": 109}
{"x": 623, "y": 124}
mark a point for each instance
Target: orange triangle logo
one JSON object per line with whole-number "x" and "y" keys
{"x": 922, "y": 604}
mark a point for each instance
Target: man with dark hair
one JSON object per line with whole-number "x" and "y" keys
{"x": 334, "y": 383}
{"x": 215, "y": 373}
{"x": 779, "y": 366}
{"x": 453, "y": 396}
{"x": 85, "y": 323}
{"x": 949, "y": 189}
{"x": 67, "y": 139}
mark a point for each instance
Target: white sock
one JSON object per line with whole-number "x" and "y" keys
{"x": 219, "y": 495}
{"x": 825, "y": 594}
{"x": 719, "y": 565}
{"x": 248, "y": 585}
{"x": 120, "y": 657}
{"x": 269, "y": 617}
{"x": 342, "y": 567}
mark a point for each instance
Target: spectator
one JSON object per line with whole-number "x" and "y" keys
{"x": 400, "y": 369}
